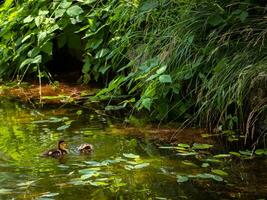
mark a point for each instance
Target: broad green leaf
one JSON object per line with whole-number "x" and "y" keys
{"x": 182, "y": 179}
{"x": 36, "y": 60}
{"x": 43, "y": 12}
{"x": 41, "y": 37}
{"x": 65, "y": 4}
{"x": 74, "y": 11}
{"x": 148, "y": 5}
{"x": 165, "y": 78}
{"x": 34, "y": 52}
{"x": 146, "y": 102}
{"x": 162, "y": 69}
{"x": 47, "y": 48}
{"x": 215, "y": 20}
{"x": 87, "y": 65}
{"x": 94, "y": 43}
{"x": 59, "y": 12}
{"x": 243, "y": 16}
{"x": 28, "y": 19}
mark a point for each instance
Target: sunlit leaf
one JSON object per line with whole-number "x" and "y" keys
{"x": 182, "y": 179}
{"x": 165, "y": 78}
{"x": 74, "y": 11}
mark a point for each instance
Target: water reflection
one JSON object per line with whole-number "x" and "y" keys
{"x": 120, "y": 167}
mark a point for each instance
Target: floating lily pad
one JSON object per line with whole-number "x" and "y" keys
{"x": 219, "y": 172}
{"x": 201, "y": 146}
{"x": 131, "y": 155}
{"x": 222, "y": 156}
{"x": 183, "y": 145}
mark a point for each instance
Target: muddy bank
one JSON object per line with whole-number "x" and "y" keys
{"x": 57, "y": 93}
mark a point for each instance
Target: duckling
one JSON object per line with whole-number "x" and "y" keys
{"x": 85, "y": 148}
{"x": 60, "y": 151}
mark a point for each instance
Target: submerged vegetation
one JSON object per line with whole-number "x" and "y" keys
{"x": 198, "y": 62}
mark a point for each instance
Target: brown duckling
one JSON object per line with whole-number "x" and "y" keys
{"x": 85, "y": 148}
{"x": 60, "y": 151}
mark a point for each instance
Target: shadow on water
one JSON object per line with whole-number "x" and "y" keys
{"x": 120, "y": 167}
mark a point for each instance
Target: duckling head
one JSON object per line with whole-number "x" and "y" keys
{"x": 62, "y": 146}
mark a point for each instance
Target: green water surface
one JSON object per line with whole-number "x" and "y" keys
{"x": 120, "y": 167}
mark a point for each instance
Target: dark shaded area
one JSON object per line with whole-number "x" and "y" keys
{"x": 65, "y": 66}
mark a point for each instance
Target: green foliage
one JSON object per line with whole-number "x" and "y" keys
{"x": 180, "y": 60}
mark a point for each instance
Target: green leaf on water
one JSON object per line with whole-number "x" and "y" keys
{"x": 235, "y": 153}
{"x": 246, "y": 152}
{"x": 222, "y": 156}
{"x": 87, "y": 176}
{"x": 183, "y": 145}
{"x": 201, "y": 146}
{"x": 213, "y": 160}
{"x": 182, "y": 179}
{"x": 209, "y": 176}
{"x": 167, "y": 147}
{"x": 98, "y": 183}
{"x": 261, "y": 152}
{"x": 89, "y": 170}
{"x": 140, "y": 166}
{"x": 64, "y": 127}
{"x": 188, "y": 163}
{"x": 186, "y": 154}
{"x": 219, "y": 172}
{"x": 131, "y": 155}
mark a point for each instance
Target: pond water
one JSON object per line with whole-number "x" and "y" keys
{"x": 120, "y": 167}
